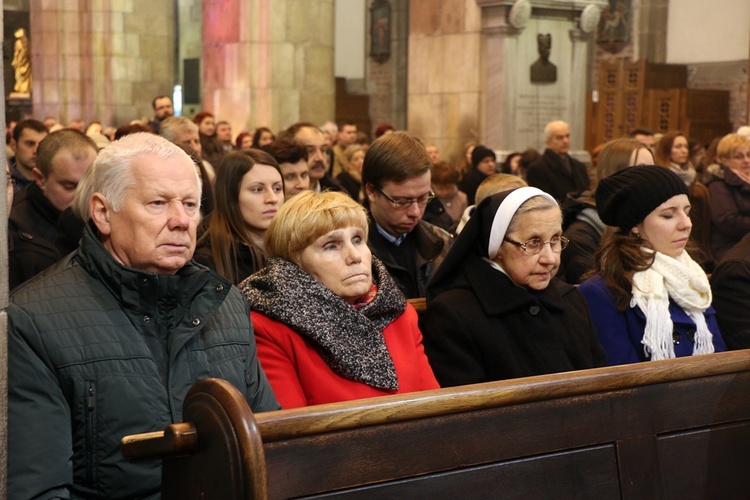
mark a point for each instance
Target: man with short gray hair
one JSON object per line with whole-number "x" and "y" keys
{"x": 108, "y": 341}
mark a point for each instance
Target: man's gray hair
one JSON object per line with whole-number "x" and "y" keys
{"x": 112, "y": 171}
{"x": 548, "y": 128}
{"x": 169, "y": 127}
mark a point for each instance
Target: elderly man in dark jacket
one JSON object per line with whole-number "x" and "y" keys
{"x": 556, "y": 172}
{"x": 108, "y": 341}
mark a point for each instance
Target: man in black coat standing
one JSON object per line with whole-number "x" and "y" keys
{"x": 555, "y": 172}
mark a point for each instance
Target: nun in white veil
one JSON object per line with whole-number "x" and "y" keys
{"x": 495, "y": 309}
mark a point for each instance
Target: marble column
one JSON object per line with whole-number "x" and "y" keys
{"x": 100, "y": 60}
{"x": 446, "y": 62}
{"x": 268, "y": 62}
{"x": 579, "y": 60}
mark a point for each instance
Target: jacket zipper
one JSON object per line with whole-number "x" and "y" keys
{"x": 90, "y": 419}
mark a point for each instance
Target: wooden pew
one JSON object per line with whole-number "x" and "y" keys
{"x": 668, "y": 429}
{"x": 420, "y": 304}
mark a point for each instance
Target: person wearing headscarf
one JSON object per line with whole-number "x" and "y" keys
{"x": 495, "y": 309}
{"x": 330, "y": 323}
{"x": 649, "y": 299}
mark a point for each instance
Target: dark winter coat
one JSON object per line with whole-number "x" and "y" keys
{"x": 352, "y": 186}
{"x": 730, "y": 212}
{"x": 621, "y": 333}
{"x": 98, "y": 351}
{"x": 470, "y": 183}
{"x": 548, "y": 174}
{"x": 487, "y": 328}
{"x": 431, "y": 244}
{"x": 730, "y": 283}
{"x": 584, "y": 229}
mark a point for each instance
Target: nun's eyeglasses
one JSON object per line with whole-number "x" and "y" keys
{"x": 534, "y": 246}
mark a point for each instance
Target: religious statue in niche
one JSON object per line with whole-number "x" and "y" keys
{"x": 21, "y": 64}
{"x": 613, "y": 33}
{"x": 543, "y": 71}
{"x": 380, "y": 30}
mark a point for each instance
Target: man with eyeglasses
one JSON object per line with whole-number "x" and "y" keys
{"x": 396, "y": 176}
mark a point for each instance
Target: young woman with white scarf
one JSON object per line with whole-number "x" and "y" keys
{"x": 648, "y": 298}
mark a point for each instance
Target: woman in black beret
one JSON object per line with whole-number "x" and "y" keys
{"x": 649, "y": 299}
{"x": 495, "y": 309}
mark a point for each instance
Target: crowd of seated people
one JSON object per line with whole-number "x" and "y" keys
{"x": 531, "y": 265}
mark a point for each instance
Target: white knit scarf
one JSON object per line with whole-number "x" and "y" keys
{"x": 684, "y": 281}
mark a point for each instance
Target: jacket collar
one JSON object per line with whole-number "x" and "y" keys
{"x": 429, "y": 245}
{"x": 498, "y": 295}
{"x": 554, "y": 160}
{"x": 733, "y": 179}
{"x": 169, "y": 295}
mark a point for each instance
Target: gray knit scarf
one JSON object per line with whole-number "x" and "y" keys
{"x": 349, "y": 340}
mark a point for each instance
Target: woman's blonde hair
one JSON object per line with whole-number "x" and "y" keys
{"x": 729, "y": 144}
{"x": 308, "y": 216}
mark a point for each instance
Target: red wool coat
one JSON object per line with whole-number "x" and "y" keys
{"x": 300, "y": 377}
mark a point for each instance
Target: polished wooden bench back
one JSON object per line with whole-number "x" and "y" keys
{"x": 669, "y": 429}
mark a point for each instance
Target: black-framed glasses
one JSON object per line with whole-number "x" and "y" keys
{"x": 534, "y": 246}
{"x": 404, "y": 203}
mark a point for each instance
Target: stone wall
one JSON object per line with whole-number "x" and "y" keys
{"x": 445, "y": 67}
{"x": 104, "y": 62}
{"x": 268, "y": 62}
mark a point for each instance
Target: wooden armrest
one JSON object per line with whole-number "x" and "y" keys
{"x": 420, "y": 304}
{"x": 174, "y": 440}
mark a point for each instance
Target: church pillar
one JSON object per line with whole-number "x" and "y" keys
{"x": 268, "y": 62}
{"x": 100, "y": 60}
{"x": 445, "y": 64}
{"x": 501, "y": 113}
{"x": 579, "y": 71}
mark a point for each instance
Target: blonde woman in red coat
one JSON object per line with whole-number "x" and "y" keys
{"x": 330, "y": 323}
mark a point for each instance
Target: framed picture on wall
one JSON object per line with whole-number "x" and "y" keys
{"x": 380, "y": 30}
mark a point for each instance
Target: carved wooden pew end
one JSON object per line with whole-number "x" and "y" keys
{"x": 667, "y": 429}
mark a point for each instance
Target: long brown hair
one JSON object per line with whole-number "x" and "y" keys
{"x": 227, "y": 228}
{"x": 618, "y": 257}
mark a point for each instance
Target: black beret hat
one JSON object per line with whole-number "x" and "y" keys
{"x": 480, "y": 153}
{"x": 626, "y": 197}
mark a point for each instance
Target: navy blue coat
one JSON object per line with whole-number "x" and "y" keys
{"x": 621, "y": 333}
